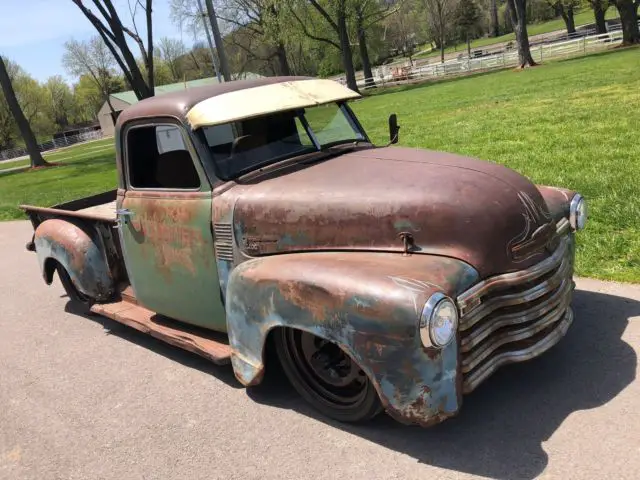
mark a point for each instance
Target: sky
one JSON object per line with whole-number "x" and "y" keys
{"x": 33, "y": 32}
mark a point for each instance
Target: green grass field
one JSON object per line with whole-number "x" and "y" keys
{"x": 571, "y": 123}
{"x": 584, "y": 17}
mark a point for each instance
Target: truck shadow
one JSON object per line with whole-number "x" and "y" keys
{"x": 502, "y": 425}
{"x": 188, "y": 359}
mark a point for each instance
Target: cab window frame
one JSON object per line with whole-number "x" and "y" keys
{"x": 188, "y": 141}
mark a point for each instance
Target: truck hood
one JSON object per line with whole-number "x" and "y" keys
{"x": 482, "y": 213}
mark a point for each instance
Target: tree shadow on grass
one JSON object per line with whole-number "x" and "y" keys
{"x": 502, "y": 425}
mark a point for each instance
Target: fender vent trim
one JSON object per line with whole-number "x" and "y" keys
{"x": 223, "y": 241}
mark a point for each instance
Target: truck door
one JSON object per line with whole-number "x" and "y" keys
{"x": 164, "y": 215}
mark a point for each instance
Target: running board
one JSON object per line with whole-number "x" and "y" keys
{"x": 210, "y": 345}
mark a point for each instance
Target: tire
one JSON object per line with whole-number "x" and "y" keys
{"x": 326, "y": 377}
{"x": 77, "y": 297}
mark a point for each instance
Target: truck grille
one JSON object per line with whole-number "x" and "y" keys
{"x": 516, "y": 316}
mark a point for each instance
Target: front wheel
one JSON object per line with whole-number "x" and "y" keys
{"x": 325, "y": 376}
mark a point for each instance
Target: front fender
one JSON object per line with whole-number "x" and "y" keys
{"x": 369, "y": 304}
{"x": 79, "y": 251}
{"x": 558, "y": 200}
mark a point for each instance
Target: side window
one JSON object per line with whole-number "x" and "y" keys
{"x": 157, "y": 157}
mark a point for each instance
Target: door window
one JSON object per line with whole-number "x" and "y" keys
{"x": 158, "y": 158}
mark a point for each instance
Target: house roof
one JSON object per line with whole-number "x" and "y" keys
{"x": 130, "y": 97}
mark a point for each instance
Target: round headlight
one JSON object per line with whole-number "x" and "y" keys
{"x": 439, "y": 321}
{"x": 578, "y": 212}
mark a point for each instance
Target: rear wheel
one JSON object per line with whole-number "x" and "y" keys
{"x": 74, "y": 294}
{"x": 326, "y": 376}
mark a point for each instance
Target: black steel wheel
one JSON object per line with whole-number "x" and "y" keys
{"x": 325, "y": 376}
{"x": 74, "y": 294}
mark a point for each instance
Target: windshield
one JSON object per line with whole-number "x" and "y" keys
{"x": 242, "y": 146}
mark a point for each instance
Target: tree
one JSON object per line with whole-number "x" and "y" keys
{"x": 440, "y": 17}
{"x": 334, "y": 15}
{"x": 599, "y": 8}
{"x": 518, "y": 14}
{"x": 172, "y": 53}
{"x": 193, "y": 15}
{"x": 368, "y": 13}
{"x": 467, "y": 19}
{"x": 94, "y": 60}
{"x": 217, "y": 37}
{"x": 114, "y": 34}
{"x": 259, "y": 22}
{"x": 628, "y": 10}
{"x": 495, "y": 24}
{"x": 22, "y": 122}
{"x": 404, "y": 27}
{"x": 60, "y": 104}
{"x": 566, "y": 10}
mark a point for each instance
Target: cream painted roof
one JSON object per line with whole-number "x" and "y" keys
{"x": 265, "y": 99}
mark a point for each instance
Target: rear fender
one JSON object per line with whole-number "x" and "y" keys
{"x": 80, "y": 251}
{"x": 369, "y": 304}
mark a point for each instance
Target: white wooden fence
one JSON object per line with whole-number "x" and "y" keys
{"x": 385, "y": 76}
{"x": 52, "y": 144}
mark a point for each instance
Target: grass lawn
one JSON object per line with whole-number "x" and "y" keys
{"x": 584, "y": 17}
{"x": 63, "y": 154}
{"x": 86, "y": 169}
{"x": 570, "y": 123}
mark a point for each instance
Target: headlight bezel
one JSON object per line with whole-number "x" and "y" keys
{"x": 426, "y": 323}
{"x": 578, "y": 213}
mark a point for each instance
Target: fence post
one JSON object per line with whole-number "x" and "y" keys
{"x": 541, "y": 50}
{"x": 584, "y": 45}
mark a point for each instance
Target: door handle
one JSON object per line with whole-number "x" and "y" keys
{"x": 124, "y": 212}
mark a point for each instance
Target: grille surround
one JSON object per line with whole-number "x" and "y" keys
{"x": 515, "y": 316}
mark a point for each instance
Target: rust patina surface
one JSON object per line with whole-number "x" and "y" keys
{"x": 368, "y": 303}
{"x": 347, "y": 245}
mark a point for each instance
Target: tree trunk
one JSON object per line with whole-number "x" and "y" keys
{"x": 150, "y": 76}
{"x": 495, "y": 25}
{"x": 599, "y": 14}
{"x": 345, "y": 51}
{"x": 224, "y": 64}
{"x": 442, "y": 49}
{"x": 283, "y": 62}
{"x": 518, "y": 14}
{"x": 629, "y": 21}
{"x": 468, "y": 45}
{"x": 364, "y": 55}
{"x": 567, "y": 16}
{"x": 21, "y": 120}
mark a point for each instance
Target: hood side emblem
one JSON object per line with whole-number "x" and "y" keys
{"x": 538, "y": 231}
{"x": 408, "y": 242}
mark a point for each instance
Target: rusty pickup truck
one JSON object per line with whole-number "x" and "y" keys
{"x": 256, "y": 220}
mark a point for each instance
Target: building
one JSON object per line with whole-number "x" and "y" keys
{"x": 120, "y": 101}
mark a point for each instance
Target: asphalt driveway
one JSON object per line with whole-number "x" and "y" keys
{"x": 86, "y": 398}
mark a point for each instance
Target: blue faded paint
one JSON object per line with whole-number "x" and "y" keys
{"x": 224, "y": 268}
{"x": 81, "y": 254}
{"x": 350, "y": 299}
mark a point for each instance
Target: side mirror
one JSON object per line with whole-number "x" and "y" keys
{"x": 394, "y": 128}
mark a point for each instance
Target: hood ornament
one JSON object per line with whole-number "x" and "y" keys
{"x": 538, "y": 231}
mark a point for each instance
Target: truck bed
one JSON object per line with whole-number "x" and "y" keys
{"x": 100, "y": 207}
{"x": 104, "y": 211}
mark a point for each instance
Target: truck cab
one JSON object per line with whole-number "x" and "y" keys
{"x": 257, "y": 218}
